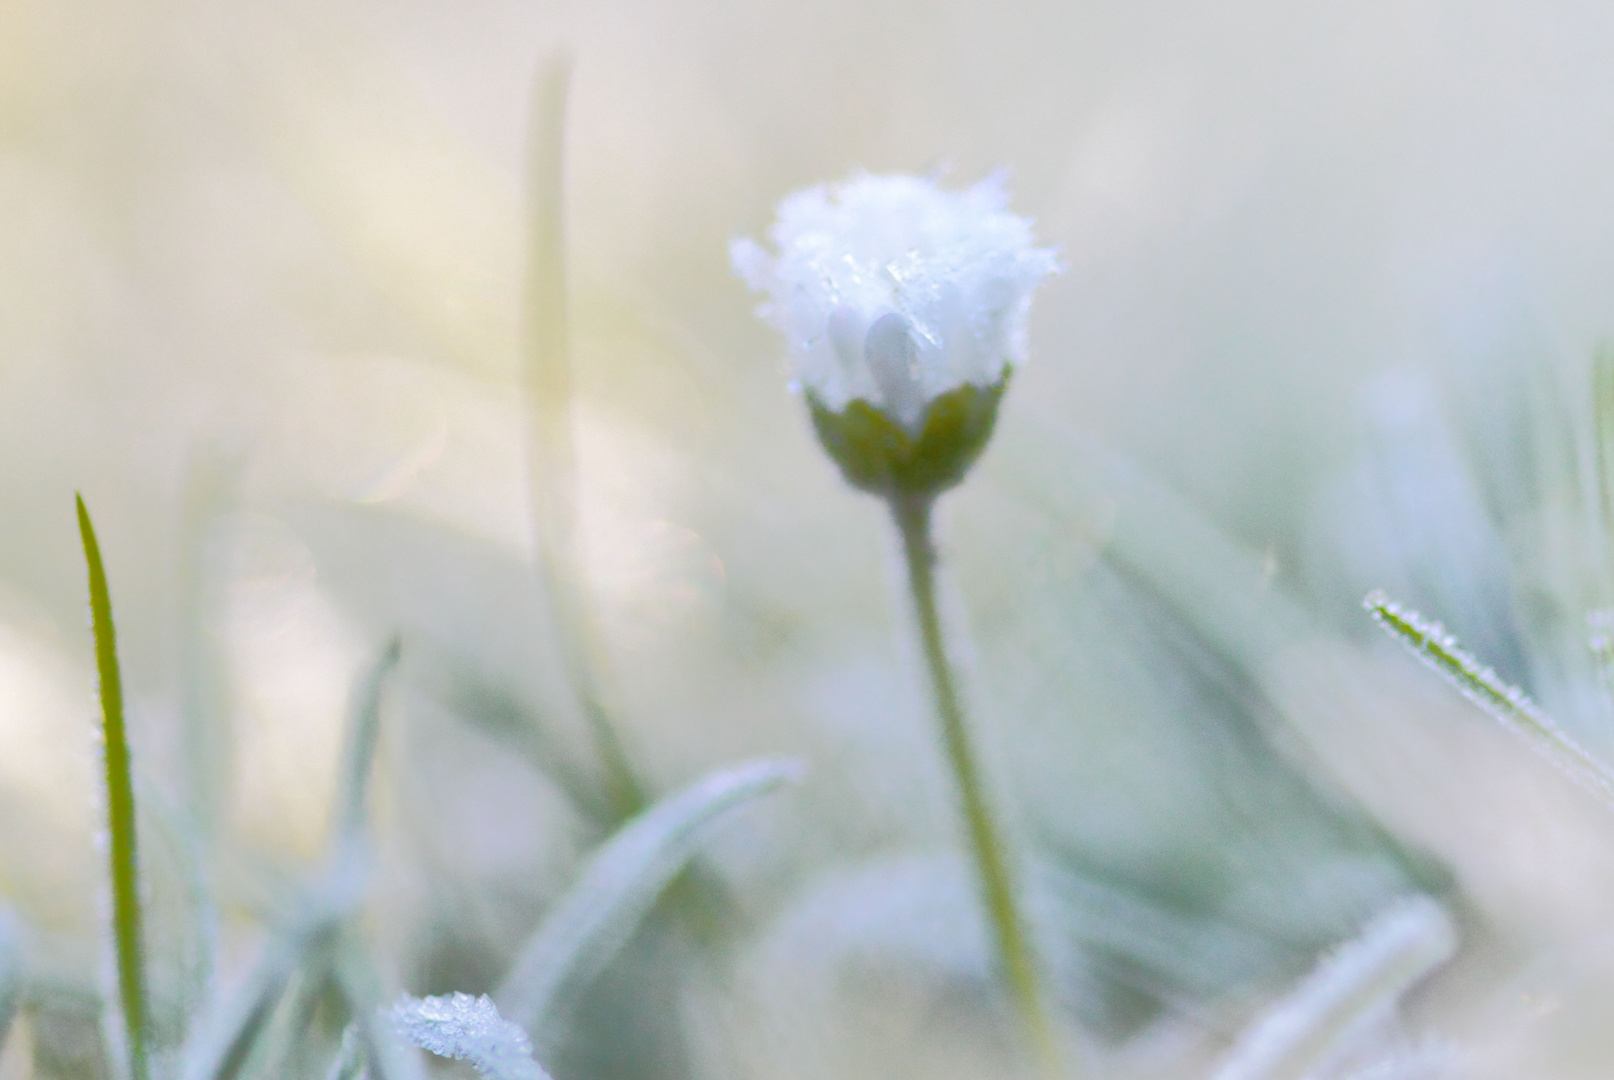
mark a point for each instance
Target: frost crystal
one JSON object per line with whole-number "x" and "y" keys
{"x": 462, "y": 1026}
{"x": 893, "y": 291}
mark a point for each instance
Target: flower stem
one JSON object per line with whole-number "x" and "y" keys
{"x": 1015, "y": 960}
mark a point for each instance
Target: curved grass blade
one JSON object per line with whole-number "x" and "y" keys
{"x": 208, "y": 756}
{"x": 225, "y": 1040}
{"x": 470, "y": 1029}
{"x": 388, "y": 1058}
{"x": 551, "y": 455}
{"x": 125, "y": 869}
{"x": 1430, "y": 643}
{"x": 590, "y": 924}
{"x": 180, "y": 849}
{"x": 349, "y": 1061}
{"x": 207, "y": 740}
{"x": 364, "y": 731}
{"x": 1395, "y": 951}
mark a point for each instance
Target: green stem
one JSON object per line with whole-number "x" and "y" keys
{"x": 985, "y": 834}
{"x": 120, "y": 808}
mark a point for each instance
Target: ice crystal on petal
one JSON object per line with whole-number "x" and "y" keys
{"x": 462, "y": 1026}
{"x": 893, "y": 291}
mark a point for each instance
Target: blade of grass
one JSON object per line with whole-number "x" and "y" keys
{"x": 589, "y": 925}
{"x": 349, "y": 1061}
{"x": 280, "y": 1051}
{"x": 1430, "y": 642}
{"x": 207, "y": 742}
{"x": 208, "y": 751}
{"x": 551, "y": 453}
{"x": 124, "y": 864}
{"x": 226, "y": 1039}
{"x": 180, "y": 849}
{"x": 364, "y": 731}
{"x": 388, "y": 1057}
{"x": 1364, "y": 978}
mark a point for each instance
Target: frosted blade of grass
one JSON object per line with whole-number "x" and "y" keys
{"x": 208, "y": 749}
{"x": 388, "y": 1058}
{"x": 124, "y": 864}
{"x": 13, "y": 972}
{"x": 551, "y": 453}
{"x": 224, "y": 1040}
{"x": 470, "y": 1029}
{"x": 1361, "y": 981}
{"x": 358, "y": 755}
{"x": 1430, "y": 642}
{"x": 590, "y": 924}
{"x": 207, "y": 743}
{"x": 349, "y": 1061}
{"x": 175, "y": 830}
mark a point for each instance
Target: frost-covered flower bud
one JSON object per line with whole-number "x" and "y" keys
{"x": 905, "y": 309}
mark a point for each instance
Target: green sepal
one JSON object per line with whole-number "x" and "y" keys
{"x": 877, "y": 454}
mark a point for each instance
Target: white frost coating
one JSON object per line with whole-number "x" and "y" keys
{"x": 893, "y": 291}
{"x": 1360, "y": 982}
{"x": 462, "y": 1026}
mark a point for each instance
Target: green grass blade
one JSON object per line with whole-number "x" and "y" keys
{"x": 225, "y": 1040}
{"x": 551, "y": 454}
{"x": 589, "y": 925}
{"x": 364, "y": 732}
{"x": 1430, "y": 642}
{"x": 207, "y": 739}
{"x": 349, "y": 1061}
{"x": 387, "y": 1056}
{"x": 175, "y": 846}
{"x": 126, "y": 924}
{"x": 207, "y": 746}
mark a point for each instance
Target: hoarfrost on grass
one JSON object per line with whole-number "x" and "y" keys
{"x": 468, "y": 1028}
{"x": 1361, "y": 982}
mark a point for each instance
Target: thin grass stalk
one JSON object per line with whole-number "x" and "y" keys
{"x": 358, "y": 755}
{"x": 122, "y": 856}
{"x": 387, "y": 1056}
{"x": 208, "y": 749}
{"x": 349, "y": 1061}
{"x": 207, "y": 744}
{"x": 551, "y": 451}
{"x": 1016, "y": 958}
{"x": 585, "y": 930}
{"x": 1430, "y": 642}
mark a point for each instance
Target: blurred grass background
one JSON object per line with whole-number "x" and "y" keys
{"x": 1333, "y": 281}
